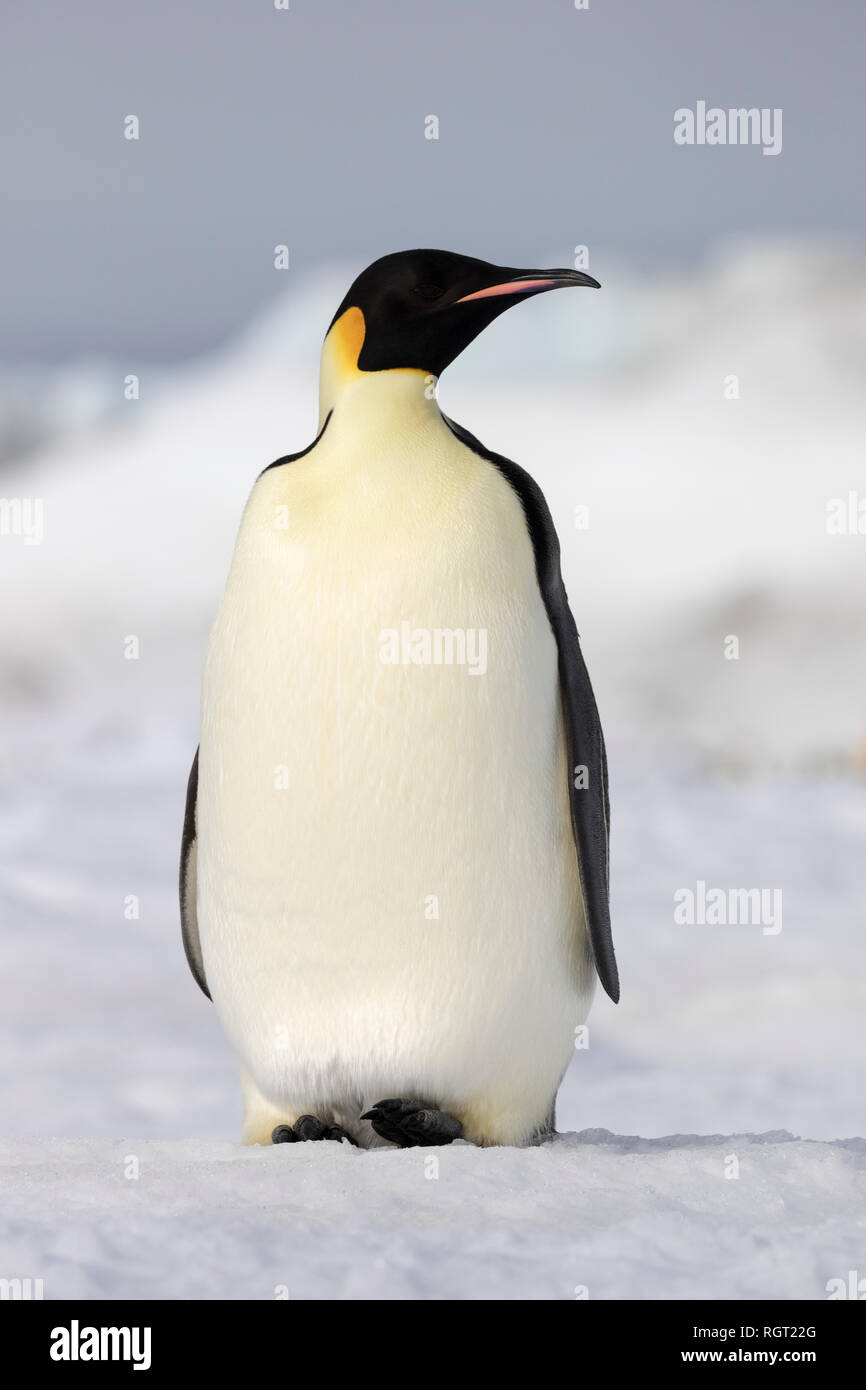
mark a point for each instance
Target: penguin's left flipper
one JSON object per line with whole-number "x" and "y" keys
{"x": 588, "y": 793}
{"x": 412, "y": 1124}
{"x": 188, "y": 870}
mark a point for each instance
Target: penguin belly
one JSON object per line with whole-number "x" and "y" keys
{"x": 388, "y": 893}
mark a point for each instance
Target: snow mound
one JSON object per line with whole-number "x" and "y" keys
{"x": 592, "y": 1215}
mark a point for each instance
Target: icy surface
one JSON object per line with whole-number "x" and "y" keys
{"x": 589, "y": 1215}
{"x": 721, "y": 1029}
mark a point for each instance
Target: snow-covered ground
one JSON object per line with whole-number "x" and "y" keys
{"x": 589, "y": 1215}
{"x": 722, "y": 1031}
{"x": 706, "y": 519}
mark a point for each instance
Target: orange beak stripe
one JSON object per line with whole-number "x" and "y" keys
{"x": 509, "y": 287}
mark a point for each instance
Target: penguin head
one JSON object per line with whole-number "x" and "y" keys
{"x": 418, "y": 310}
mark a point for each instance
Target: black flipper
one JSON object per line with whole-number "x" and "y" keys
{"x": 188, "y": 874}
{"x": 590, "y": 806}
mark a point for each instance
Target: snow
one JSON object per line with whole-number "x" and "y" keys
{"x": 721, "y": 1029}
{"x": 588, "y": 1215}
{"x": 707, "y": 518}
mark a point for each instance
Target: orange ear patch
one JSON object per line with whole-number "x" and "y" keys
{"x": 346, "y": 340}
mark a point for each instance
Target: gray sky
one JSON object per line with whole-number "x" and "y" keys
{"x": 306, "y": 127}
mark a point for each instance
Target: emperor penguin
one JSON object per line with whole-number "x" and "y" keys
{"x": 394, "y": 873}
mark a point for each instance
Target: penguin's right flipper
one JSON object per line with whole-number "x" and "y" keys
{"x": 188, "y": 875}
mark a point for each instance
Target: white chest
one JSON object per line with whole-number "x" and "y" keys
{"x": 383, "y": 812}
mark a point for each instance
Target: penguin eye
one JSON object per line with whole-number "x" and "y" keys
{"x": 429, "y": 292}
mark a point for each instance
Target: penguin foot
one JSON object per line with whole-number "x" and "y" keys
{"x": 411, "y": 1123}
{"x": 308, "y": 1127}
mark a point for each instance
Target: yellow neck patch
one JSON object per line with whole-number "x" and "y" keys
{"x": 340, "y": 352}
{"x": 339, "y": 366}
{"x": 346, "y": 339}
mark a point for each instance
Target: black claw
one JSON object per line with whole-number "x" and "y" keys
{"x": 339, "y": 1134}
{"x": 309, "y": 1128}
{"x": 412, "y": 1124}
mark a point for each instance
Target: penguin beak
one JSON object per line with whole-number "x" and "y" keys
{"x": 532, "y": 282}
